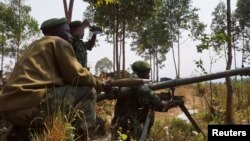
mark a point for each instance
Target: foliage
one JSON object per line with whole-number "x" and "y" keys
{"x": 118, "y": 21}
{"x": 163, "y": 30}
{"x": 103, "y": 64}
{"x": 151, "y": 40}
{"x": 23, "y": 26}
{"x": 214, "y": 42}
{"x": 107, "y": 15}
{"x": 243, "y": 11}
{"x": 242, "y": 16}
{"x": 17, "y": 28}
{"x": 101, "y": 2}
{"x": 5, "y": 14}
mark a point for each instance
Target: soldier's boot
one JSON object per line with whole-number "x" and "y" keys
{"x": 18, "y": 133}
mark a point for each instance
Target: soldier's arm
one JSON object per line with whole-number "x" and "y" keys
{"x": 91, "y": 43}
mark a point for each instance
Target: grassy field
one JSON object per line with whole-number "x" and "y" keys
{"x": 207, "y": 100}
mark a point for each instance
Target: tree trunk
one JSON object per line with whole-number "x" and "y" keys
{"x": 114, "y": 61}
{"x": 68, "y": 12}
{"x": 123, "y": 49}
{"x": 65, "y": 6}
{"x": 151, "y": 72}
{"x": 116, "y": 48}
{"x": 179, "y": 59}
{"x": 235, "y": 60}
{"x": 175, "y": 66}
{"x": 157, "y": 65}
{"x": 229, "y": 104}
{"x": 1, "y": 71}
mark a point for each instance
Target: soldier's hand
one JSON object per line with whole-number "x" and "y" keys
{"x": 107, "y": 87}
{"x": 165, "y": 95}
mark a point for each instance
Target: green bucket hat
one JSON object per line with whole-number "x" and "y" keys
{"x": 141, "y": 66}
{"x": 53, "y": 22}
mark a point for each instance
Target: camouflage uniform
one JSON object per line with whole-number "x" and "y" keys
{"x": 131, "y": 111}
{"x": 80, "y": 51}
{"x": 79, "y": 46}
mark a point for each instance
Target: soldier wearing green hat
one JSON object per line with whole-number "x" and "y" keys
{"x": 132, "y": 111}
{"x": 80, "y": 47}
{"x": 48, "y": 77}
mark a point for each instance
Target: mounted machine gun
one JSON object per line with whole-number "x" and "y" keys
{"x": 170, "y": 84}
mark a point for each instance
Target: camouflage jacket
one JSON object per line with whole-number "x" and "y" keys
{"x": 81, "y": 48}
{"x": 80, "y": 51}
{"x": 131, "y": 111}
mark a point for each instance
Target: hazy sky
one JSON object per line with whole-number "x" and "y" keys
{"x": 45, "y": 9}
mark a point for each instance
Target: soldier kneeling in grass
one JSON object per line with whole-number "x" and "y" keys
{"x": 47, "y": 80}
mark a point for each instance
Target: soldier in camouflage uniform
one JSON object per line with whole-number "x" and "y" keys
{"x": 131, "y": 111}
{"x": 80, "y": 47}
{"x": 48, "y": 77}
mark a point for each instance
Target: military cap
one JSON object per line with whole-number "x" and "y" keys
{"x": 140, "y": 66}
{"x": 53, "y": 22}
{"x": 75, "y": 24}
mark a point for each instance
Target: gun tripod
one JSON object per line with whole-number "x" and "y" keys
{"x": 180, "y": 103}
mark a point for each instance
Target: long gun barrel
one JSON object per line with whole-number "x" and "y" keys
{"x": 128, "y": 82}
{"x": 197, "y": 79}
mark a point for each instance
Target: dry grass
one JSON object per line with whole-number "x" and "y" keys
{"x": 58, "y": 129}
{"x": 196, "y": 97}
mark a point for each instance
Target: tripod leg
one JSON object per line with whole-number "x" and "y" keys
{"x": 185, "y": 110}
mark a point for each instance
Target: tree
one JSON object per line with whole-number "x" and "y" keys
{"x": 229, "y": 105}
{"x": 243, "y": 16}
{"x": 164, "y": 29}
{"x": 68, "y": 10}
{"x": 151, "y": 42}
{"x": 24, "y": 28}
{"x": 17, "y": 28}
{"x": 221, "y": 34}
{"x": 180, "y": 16}
{"x": 118, "y": 20}
{"x": 5, "y": 12}
{"x": 104, "y": 65}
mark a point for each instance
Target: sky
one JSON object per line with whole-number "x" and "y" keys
{"x": 46, "y": 9}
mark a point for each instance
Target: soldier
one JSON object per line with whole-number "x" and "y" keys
{"x": 80, "y": 47}
{"x": 47, "y": 77}
{"x": 132, "y": 111}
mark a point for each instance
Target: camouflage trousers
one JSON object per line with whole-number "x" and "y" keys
{"x": 78, "y": 103}
{"x": 75, "y": 103}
